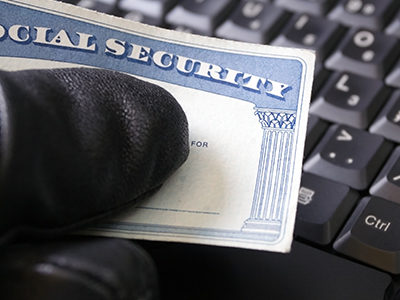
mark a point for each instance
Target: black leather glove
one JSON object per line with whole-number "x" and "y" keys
{"x": 76, "y": 145}
{"x": 77, "y": 268}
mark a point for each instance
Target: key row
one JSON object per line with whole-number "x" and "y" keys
{"x": 368, "y": 230}
{"x": 360, "y": 51}
{"x": 371, "y": 234}
{"x": 250, "y": 14}
{"x": 371, "y": 14}
{"x": 325, "y": 202}
{"x": 358, "y": 102}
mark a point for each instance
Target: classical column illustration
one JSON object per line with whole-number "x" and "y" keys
{"x": 274, "y": 168}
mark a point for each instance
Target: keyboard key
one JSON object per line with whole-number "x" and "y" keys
{"x": 348, "y": 155}
{"x": 322, "y": 208}
{"x": 151, "y": 8}
{"x": 370, "y": 14}
{"x": 372, "y": 234}
{"x": 350, "y": 99}
{"x": 387, "y": 123}
{"x": 146, "y": 11}
{"x": 387, "y": 184}
{"x": 394, "y": 27}
{"x": 253, "y": 21}
{"x": 313, "y": 7}
{"x": 305, "y": 31}
{"x": 139, "y": 17}
{"x": 315, "y": 129}
{"x": 365, "y": 53}
{"x": 69, "y": 1}
{"x": 320, "y": 76}
{"x": 199, "y": 16}
{"x": 104, "y": 6}
{"x": 393, "y": 78}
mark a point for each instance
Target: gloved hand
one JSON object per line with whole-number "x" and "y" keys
{"x": 75, "y": 146}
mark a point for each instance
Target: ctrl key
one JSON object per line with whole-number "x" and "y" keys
{"x": 372, "y": 234}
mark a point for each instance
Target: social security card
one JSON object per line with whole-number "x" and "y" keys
{"x": 246, "y": 105}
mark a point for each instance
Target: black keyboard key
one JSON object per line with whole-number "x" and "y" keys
{"x": 146, "y": 11}
{"x": 104, "y": 6}
{"x": 199, "y": 16}
{"x": 70, "y": 1}
{"x": 393, "y": 78}
{"x": 387, "y": 123}
{"x": 305, "y": 31}
{"x": 348, "y": 155}
{"x": 252, "y": 21}
{"x": 315, "y": 129}
{"x": 372, "y": 234}
{"x": 387, "y": 184}
{"x": 350, "y": 99}
{"x": 322, "y": 208}
{"x": 320, "y": 76}
{"x": 139, "y": 17}
{"x": 314, "y": 7}
{"x": 371, "y": 14}
{"x": 365, "y": 53}
{"x": 394, "y": 27}
{"x": 151, "y": 8}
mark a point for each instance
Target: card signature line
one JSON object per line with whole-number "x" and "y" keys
{"x": 180, "y": 210}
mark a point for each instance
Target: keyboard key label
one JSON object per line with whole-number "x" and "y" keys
{"x": 396, "y": 118}
{"x": 377, "y": 223}
{"x": 247, "y": 109}
{"x": 344, "y": 136}
{"x": 394, "y": 115}
{"x": 306, "y": 195}
{"x": 394, "y": 173}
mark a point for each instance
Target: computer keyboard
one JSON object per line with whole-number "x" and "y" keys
{"x": 349, "y": 200}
